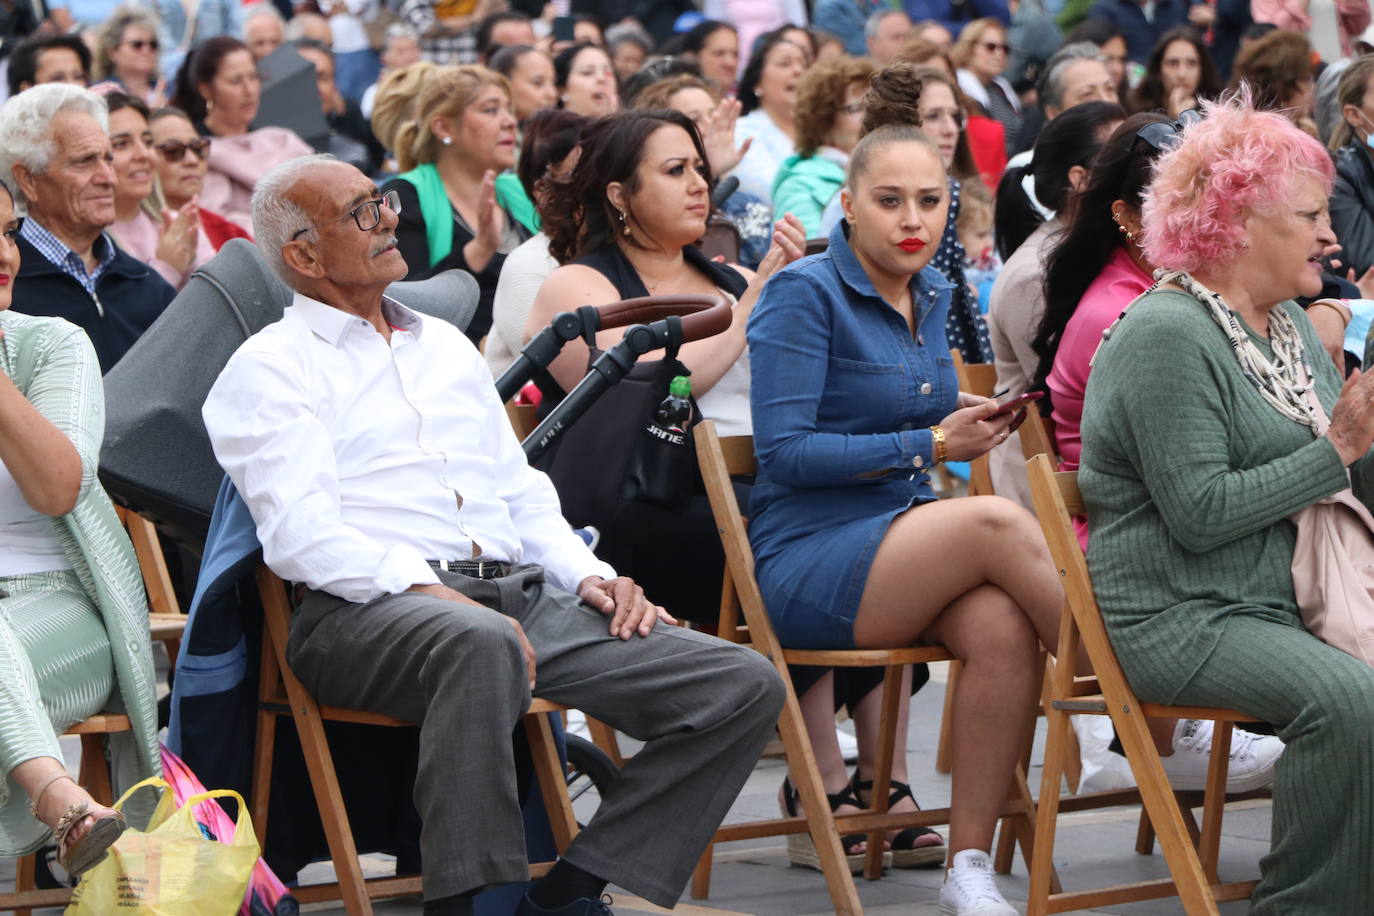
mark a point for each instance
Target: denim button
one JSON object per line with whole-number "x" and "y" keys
{"x": 925, "y": 388}
{"x": 918, "y": 461}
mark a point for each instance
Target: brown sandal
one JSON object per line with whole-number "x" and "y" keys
{"x": 88, "y": 851}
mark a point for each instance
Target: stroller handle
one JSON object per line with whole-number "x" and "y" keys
{"x": 702, "y": 316}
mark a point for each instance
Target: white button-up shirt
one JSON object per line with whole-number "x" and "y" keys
{"x": 361, "y": 459}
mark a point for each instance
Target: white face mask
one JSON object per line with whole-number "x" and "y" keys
{"x": 1369, "y": 137}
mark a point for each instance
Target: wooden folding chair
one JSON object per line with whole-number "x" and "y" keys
{"x": 719, "y": 459}
{"x": 95, "y": 776}
{"x": 1193, "y": 867}
{"x": 281, "y": 694}
{"x": 166, "y": 622}
{"x": 980, "y": 379}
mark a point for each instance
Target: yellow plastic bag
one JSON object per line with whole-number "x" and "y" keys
{"x": 173, "y": 869}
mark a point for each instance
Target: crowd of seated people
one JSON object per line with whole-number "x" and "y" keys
{"x": 1183, "y": 264}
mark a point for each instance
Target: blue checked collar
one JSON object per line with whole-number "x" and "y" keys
{"x": 67, "y": 260}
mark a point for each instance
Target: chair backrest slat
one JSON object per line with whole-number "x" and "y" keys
{"x": 980, "y": 379}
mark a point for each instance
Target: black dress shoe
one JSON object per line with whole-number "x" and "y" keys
{"x": 582, "y": 906}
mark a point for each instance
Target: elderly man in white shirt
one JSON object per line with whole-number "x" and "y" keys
{"x": 444, "y": 587}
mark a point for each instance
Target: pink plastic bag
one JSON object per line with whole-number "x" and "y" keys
{"x": 266, "y": 895}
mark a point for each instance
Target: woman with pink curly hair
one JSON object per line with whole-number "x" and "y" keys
{"x": 1206, "y": 445}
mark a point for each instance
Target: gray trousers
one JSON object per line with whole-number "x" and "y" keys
{"x": 703, "y": 707}
{"x": 1321, "y": 703}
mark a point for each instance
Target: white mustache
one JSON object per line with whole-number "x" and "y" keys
{"x": 384, "y": 247}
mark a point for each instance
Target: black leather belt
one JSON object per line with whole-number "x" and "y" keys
{"x": 473, "y": 569}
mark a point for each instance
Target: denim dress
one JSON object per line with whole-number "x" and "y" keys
{"x": 843, "y": 397}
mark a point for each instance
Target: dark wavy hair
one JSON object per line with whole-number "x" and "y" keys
{"x": 199, "y": 67}
{"x": 563, "y": 61}
{"x": 1150, "y": 94}
{"x": 1071, "y": 139}
{"x": 746, "y": 92}
{"x": 696, "y": 36}
{"x": 550, "y": 135}
{"x": 1121, "y": 171}
{"x": 577, "y": 215}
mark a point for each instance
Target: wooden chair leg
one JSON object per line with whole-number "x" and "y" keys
{"x": 1194, "y": 887}
{"x": 701, "y": 875}
{"x": 1214, "y": 803}
{"x": 806, "y": 779}
{"x": 1018, "y": 828}
{"x": 24, "y": 869}
{"x": 552, "y": 782}
{"x": 882, "y": 775}
{"x": 943, "y": 750}
{"x": 1145, "y": 835}
{"x": 95, "y": 772}
{"x": 604, "y": 737}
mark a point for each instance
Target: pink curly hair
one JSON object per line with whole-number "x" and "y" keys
{"x": 1234, "y": 162}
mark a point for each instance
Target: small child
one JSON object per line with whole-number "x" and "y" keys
{"x": 974, "y": 226}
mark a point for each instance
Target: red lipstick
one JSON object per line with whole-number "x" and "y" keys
{"x": 911, "y": 245}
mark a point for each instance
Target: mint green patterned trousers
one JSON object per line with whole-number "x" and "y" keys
{"x": 55, "y": 670}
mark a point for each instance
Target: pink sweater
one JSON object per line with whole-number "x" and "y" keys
{"x": 1118, "y": 283}
{"x": 236, "y": 164}
{"x": 139, "y": 237}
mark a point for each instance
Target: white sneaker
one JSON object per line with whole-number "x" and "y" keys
{"x": 849, "y": 745}
{"x": 1252, "y": 758}
{"x": 970, "y": 888}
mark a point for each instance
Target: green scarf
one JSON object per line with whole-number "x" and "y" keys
{"x": 435, "y": 208}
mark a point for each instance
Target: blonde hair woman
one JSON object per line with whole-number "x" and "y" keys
{"x": 395, "y": 100}
{"x": 981, "y": 56}
{"x": 460, "y": 137}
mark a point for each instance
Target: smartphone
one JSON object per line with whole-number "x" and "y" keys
{"x": 1015, "y": 404}
{"x": 563, "y": 28}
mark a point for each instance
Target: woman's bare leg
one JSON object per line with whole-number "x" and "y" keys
{"x": 994, "y": 707}
{"x": 975, "y": 576}
{"x": 934, "y": 554}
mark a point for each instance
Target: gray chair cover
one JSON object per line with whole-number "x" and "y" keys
{"x": 157, "y": 456}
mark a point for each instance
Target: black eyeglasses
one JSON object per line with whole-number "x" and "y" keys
{"x": 175, "y": 150}
{"x": 994, "y": 47}
{"x": 368, "y": 214}
{"x": 138, "y": 44}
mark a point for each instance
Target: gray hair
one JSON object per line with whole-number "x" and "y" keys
{"x": 628, "y": 31}
{"x": 111, "y": 35}
{"x": 275, "y": 218}
{"x": 875, "y": 22}
{"x": 299, "y": 26}
{"x": 1051, "y": 88}
{"x": 400, "y": 30}
{"x": 261, "y": 9}
{"x": 26, "y": 127}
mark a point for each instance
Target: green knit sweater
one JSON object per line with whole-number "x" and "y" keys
{"x": 1190, "y": 477}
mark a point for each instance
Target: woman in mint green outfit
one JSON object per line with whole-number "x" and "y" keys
{"x": 1200, "y": 441}
{"x": 829, "y": 116}
{"x": 73, "y": 616}
{"x": 452, "y": 154}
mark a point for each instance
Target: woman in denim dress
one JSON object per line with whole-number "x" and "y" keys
{"x": 854, "y": 399}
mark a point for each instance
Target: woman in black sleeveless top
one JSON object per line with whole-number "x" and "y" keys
{"x": 624, "y": 226}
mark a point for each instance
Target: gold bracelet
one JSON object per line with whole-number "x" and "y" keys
{"x": 937, "y": 439}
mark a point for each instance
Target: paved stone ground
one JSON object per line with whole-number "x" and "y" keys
{"x": 1092, "y": 849}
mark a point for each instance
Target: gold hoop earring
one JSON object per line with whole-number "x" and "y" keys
{"x": 1130, "y": 236}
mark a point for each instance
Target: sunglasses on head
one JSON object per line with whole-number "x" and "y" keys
{"x": 1165, "y": 135}
{"x": 175, "y": 150}
{"x": 138, "y": 44}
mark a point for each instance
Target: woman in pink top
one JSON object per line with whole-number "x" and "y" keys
{"x": 157, "y": 217}
{"x": 1095, "y": 271}
{"x": 219, "y": 87}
